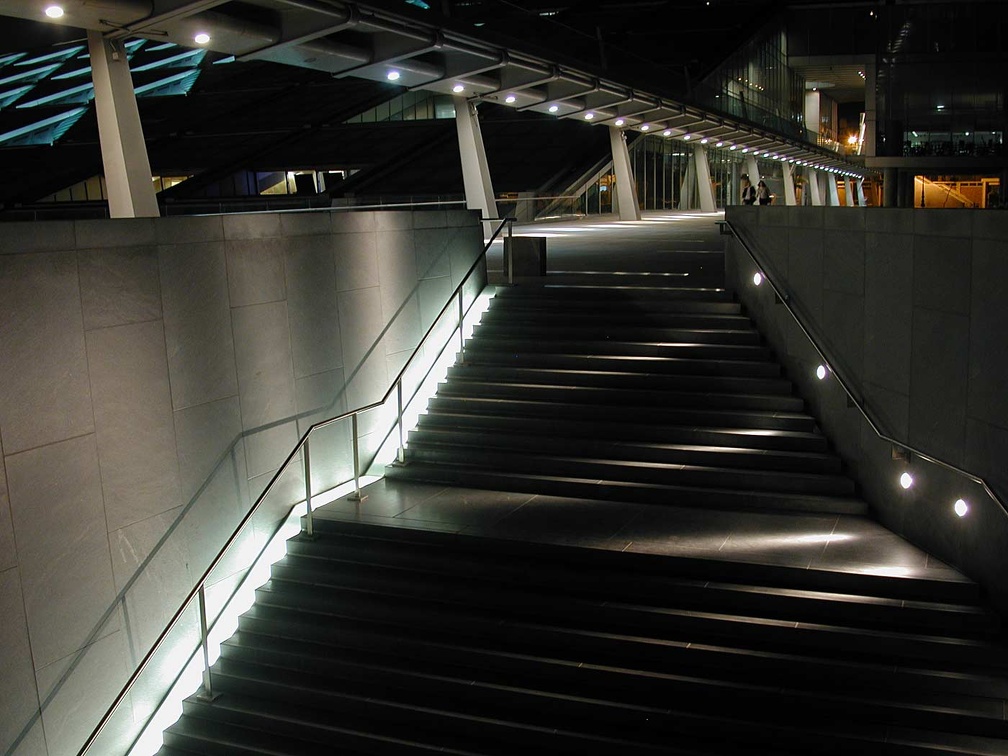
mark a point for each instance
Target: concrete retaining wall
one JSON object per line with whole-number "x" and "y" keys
{"x": 151, "y": 365}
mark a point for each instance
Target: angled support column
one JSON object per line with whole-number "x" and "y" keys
{"x": 860, "y": 193}
{"x": 848, "y": 192}
{"x": 789, "y": 192}
{"x": 124, "y": 152}
{"x": 752, "y": 170}
{"x": 815, "y": 192}
{"x": 705, "y": 191}
{"x": 626, "y": 200}
{"x": 687, "y": 191}
{"x": 479, "y": 191}
{"x": 831, "y": 190}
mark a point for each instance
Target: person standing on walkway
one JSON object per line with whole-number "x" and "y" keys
{"x": 763, "y": 193}
{"x": 748, "y": 191}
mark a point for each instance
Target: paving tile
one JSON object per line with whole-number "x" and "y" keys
{"x": 464, "y": 506}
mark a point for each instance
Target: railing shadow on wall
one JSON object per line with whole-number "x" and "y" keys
{"x": 224, "y": 466}
{"x": 831, "y": 366}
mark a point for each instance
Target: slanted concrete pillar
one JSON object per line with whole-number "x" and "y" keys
{"x": 705, "y": 190}
{"x": 813, "y": 186}
{"x": 752, "y": 169}
{"x": 124, "y": 152}
{"x": 479, "y": 191}
{"x": 831, "y": 190}
{"x": 687, "y": 192}
{"x": 848, "y": 192}
{"x": 625, "y": 200}
{"x": 860, "y": 193}
{"x": 789, "y": 192}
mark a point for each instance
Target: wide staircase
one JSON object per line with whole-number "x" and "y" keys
{"x": 379, "y": 640}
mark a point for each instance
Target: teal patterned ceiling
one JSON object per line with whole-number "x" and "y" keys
{"x": 43, "y": 94}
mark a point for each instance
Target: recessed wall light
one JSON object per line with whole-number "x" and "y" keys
{"x": 510, "y": 99}
{"x": 54, "y": 11}
{"x": 458, "y": 88}
{"x": 554, "y": 108}
{"x": 393, "y": 75}
{"x": 202, "y": 38}
{"x": 906, "y": 480}
{"x": 820, "y": 372}
{"x": 757, "y": 278}
{"x": 961, "y": 507}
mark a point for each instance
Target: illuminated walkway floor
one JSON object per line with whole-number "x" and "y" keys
{"x": 837, "y": 543}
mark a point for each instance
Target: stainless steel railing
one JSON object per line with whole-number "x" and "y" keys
{"x": 198, "y": 591}
{"x": 852, "y": 398}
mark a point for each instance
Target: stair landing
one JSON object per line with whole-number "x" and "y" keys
{"x": 831, "y": 543}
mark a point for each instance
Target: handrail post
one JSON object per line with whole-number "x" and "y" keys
{"x": 356, "y": 495}
{"x": 207, "y": 694}
{"x": 509, "y": 254}
{"x": 461, "y": 334}
{"x": 401, "y": 454}
{"x": 309, "y": 523}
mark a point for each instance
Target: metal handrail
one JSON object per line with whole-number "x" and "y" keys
{"x": 852, "y": 399}
{"x": 198, "y": 590}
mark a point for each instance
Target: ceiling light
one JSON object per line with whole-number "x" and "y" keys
{"x": 458, "y": 89}
{"x": 704, "y": 140}
{"x": 745, "y": 149}
{"x": 733, "y": 147}
{"x": 667, "y": 132}
{"x": 554, "y": 108}
{"x": 54, "y": 11}
{"x": 510, "y": 99}
{"x": 906, "y": 480}
{"x": 202, "y": 38}
{"x": 392, "y": 76}
{"x": 620, "y": 121}
{"x": 961, "y": 508}
{"x": 589, "y": 116}
{"x": 820, "y": 372}
{"x": 719, "y": 144}
{"x": 757, "y": 278}
{"x": 645, "y": 127}
{"x": 687, "y": 137}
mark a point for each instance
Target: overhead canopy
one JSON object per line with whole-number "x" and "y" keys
{"x": 367, "y": 42}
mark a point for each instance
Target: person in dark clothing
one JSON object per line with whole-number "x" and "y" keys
{"x": 748, "y": 191}
{"x": 763, "y": 193}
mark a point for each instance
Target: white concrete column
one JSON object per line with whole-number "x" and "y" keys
{"x": 848, "y": 192}
{"x": 479, "y": 191}
{"x": 868, "y": 146}
{"x": 626, "y": 189}
{"x": 831, "y": 190}
{"x": 752, "y": 169}
{"x": 860, "y": 193}
{"x": 789, "y": 192}
{"x": 705, "y": 190}
{"x": 812, "y": 179}
{"x": 687, "y": 192}
{"x": 124, "y": 152}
